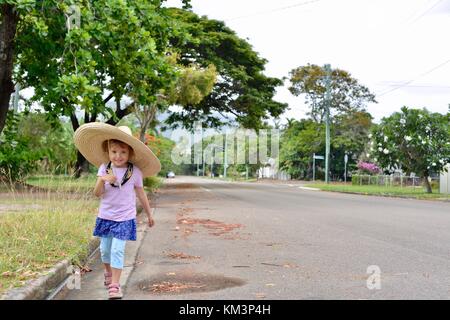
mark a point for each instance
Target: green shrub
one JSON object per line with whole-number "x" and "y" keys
{"x": 17, "y": 159}
{"x": 152, "y": 183}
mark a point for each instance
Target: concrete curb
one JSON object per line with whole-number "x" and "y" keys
{"x": 42, "y": 287}
{"x": 389, "y": 196}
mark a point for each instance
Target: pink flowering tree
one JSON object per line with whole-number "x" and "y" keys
{"x": 368, "y": 168}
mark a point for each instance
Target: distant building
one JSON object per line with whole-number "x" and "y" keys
{"x": 444, "y": 181}
{"x": 270, "y": 171}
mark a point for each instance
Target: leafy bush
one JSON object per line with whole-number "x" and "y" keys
{"x": 152, "y": 183}
{"x": 53, "y": 139}
{"x": 162, "y": 148}
{"x": 17, "y": 159}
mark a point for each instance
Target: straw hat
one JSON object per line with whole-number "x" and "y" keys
{"x": 89, "y": 138}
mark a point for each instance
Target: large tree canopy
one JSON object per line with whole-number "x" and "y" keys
{"x": 82, "y": 54}
{"x": 241, "y": 90}
{"x": 117, "y": 50}
{"x": 111, "y": 51}
{"x": 346, "y": 93}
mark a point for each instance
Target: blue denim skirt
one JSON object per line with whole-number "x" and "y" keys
{"x": 123, "y": 230}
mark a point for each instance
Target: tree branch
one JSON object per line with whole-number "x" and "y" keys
{"x": 74, "y": 120}
{"x": 120, "y": 113}
{"x": 108, "y": 97}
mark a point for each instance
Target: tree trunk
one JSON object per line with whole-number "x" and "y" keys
{"x": 82, "y": 165}
{"x": 148, "y": 116}
{"x": 8, "y": 26}
{"x": 427, "y": 184}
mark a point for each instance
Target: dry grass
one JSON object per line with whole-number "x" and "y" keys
{"x": 40, "y": 227}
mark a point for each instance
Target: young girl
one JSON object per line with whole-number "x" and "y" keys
{"x": 123, "y": 161}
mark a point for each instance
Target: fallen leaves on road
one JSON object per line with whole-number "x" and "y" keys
{"x": 260, "y": 295}
{"x": 85, "y": 269}
{"x": 167, "y": 286}
{"x": 181, "y": 255}
{"x": 286, "y": 265}
{"x": 219, "y": 228}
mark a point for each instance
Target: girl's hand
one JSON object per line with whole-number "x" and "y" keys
{"x": 151, "y": 222}
{"x": 109, "y": 178}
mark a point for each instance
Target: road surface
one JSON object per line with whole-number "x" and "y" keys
{"x": 221, "y": 240}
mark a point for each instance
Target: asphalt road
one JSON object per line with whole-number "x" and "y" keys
{"x": 234, "y": 241}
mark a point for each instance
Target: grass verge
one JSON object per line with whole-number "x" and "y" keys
{"x": 406, "y": 192}
{"x": 40, "y": 228}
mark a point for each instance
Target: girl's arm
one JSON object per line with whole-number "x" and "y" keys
{"x": 145, "y": 204}
{"x": 99, "y": 187}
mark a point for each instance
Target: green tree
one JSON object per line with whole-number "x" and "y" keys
{"x": 299, "y": 140}
{"x": 111, "y": 48}
{"x": 192, "y": 85}
{"x": 414, "y": 140}
{"x": 116, "y": 54}
{"x": 347, "y": 95}
{"x": 242, "y": 90}
{"x": 349, "y": 135}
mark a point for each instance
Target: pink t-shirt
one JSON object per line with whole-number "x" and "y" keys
{"x": 119, "y": 204}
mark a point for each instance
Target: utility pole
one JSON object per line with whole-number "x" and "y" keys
{"x": 225, "y": 158}
{"x": 198, "y": 163}
{"x": 327, "y": 121}
{"x": 314, "y": 166}
{"x": 345, "y": 166}
{"x": 203, "y": 156}
{"x": 213, "y": 153}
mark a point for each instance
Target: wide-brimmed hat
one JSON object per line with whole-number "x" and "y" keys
{"x": 90, "y": 137}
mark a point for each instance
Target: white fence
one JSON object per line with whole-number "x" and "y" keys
{"x": 392, "y": 181}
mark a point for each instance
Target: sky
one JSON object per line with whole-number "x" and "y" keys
{"x": 399, "y": 49}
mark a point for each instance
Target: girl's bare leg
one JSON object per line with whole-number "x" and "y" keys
{"x": 116, "y": 275}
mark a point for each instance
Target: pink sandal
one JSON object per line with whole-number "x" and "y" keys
{"x": 108, "y": 279}
{"x": 114, "y": 291}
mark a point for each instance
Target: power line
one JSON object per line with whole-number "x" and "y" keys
{"x": 426, "y": 11}
{"x": 412, "y": 80}
{"x": 417, "y": 86}
{"x": 273, "y": 10}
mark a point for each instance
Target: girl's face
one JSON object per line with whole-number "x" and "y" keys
{"x": 118, "y": 155}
